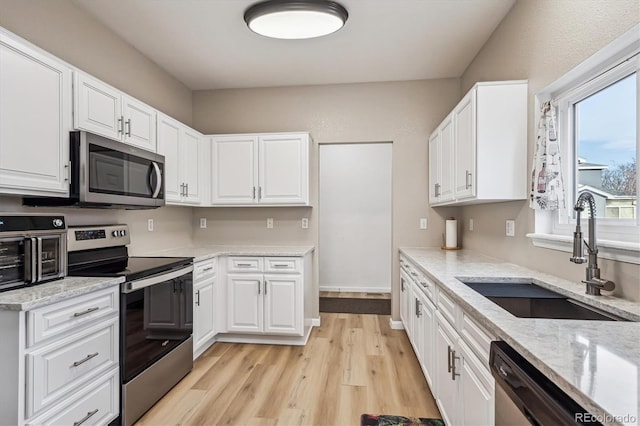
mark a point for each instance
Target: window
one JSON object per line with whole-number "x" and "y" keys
{"x": 597, "y": 118}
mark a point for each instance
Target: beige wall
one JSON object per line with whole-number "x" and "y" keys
{"x": 68, "y": 32}
{"x": 61, "y": 28}
{"x": 540, "y": 40}
{"x": 404, "y": 113}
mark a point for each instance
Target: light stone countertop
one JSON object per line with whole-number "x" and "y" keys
{"x": 203, "y": 252}
{"x": 27, "y": 298}
{"x": 597, "y": 363}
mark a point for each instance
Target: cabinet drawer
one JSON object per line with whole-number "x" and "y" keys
{"x": 204, "y": 269}
{"x": 95, "y": 404}
{"x": 426, "y": 284}
{"x": 49, "y": 321}
{"x": 447, "y": 307}
{"x": 58, "y": 369}
{"x": 282, "y": 264}
{"x": 476, "y": 337}
{"x": 244, "y": 264}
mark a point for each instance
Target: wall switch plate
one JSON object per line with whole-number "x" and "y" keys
{"x": 423, "y": 223}
{"x": 269, "y": 223}
{"x": 470, "y": 224}
{"x": 203, "y": 222}
{"x": 305, "y": 223}
{"x": 150, "y": 225}
{"x": 511, "y": 228}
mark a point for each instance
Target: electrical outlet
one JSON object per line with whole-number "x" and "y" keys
{"x": 269, "y": 223}
{"x": 511, "y": 228}
{"x": 150, "y": 225}
{"x": 203, "y": 222}
{"x": 423, "y": 223}
{"x": 470, "y": 224}
{"x": 305, "y": 223}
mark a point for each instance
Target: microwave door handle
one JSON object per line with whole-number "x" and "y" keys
{"x": 39, "y": 257}
{"x": 158, "y": 187}
{"x": 29, "y": 260}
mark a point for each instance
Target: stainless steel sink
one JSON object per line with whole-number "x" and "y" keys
{"x": 529, "y": 300}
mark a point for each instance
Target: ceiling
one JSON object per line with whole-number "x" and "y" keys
{"x": 206, "y": 45}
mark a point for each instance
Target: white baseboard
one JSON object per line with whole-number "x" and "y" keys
{"x": 315, "y": 322}
{"x": 396, "y": 325}
{"x": 348, "y": 288}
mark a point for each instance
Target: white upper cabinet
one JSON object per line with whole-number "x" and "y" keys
{"x": 441, "y": 162}
{"x": 35, "y": 119}
{"x": 260, "y": 169}
{"x": 488, "y": 162}
{"x": 102, "y": 109}
{"x": 181, "y": 147}
{"x": 234, "y": 169}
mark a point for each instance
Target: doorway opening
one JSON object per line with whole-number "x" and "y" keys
{"x": 355, "y": 226}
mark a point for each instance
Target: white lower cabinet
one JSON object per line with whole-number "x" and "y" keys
{"x": 452, "y": 348}
{"x": 265, "y": 295}
{"x": 61, "y": 361}
{"x": 204, "y": 294}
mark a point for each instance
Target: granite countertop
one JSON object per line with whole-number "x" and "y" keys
{"x": 597, "y": 363}
{"x": 27, "y": 298}
{"x": 204, "y": 252}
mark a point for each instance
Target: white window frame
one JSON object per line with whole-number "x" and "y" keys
{"x": 618, "y": 239}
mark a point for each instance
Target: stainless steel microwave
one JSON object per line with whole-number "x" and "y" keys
{"x": 108, "y": 173}
{"x": 33, "y": 249}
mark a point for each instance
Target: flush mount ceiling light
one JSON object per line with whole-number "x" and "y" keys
{"x": 295, "y": 19}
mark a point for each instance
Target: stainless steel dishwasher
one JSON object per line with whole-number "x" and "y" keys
{"x": 526, "y": 396}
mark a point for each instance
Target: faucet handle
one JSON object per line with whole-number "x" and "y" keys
{"x": 595, "y": 284}
{"x": 578, "y": 259}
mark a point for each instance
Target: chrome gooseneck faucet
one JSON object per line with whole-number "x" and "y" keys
{"x": 594, "y": 282}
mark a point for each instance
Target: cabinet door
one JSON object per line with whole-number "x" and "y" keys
{"x": 446, "y": 388}
{"x": 465, "y": 146}
{"x": 35, "y": 120}
{"x": 477, "y": 390}
{"x": 283, "y": 305}
{"x": 244, "y": 303}
{"x": 234, "y": 169}
{"x": 169, "y": 146}
{"x": 434, "y": 167}
{"x": 404, "y": 297}
{"x": 98, "y": 107}
{"x": 190, "y": 150}
{"x": 428, "y": 346}
{"x": 284, "y": 169}
{"x": 203, "y": 308}
{"x": 446, "y": 160}
{"x": 139, "y": 124}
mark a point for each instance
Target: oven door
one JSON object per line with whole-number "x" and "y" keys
{"x": 156, "y": 317}
{"x": 17, "y": 262}
{"x": 51, "y": 256}
{"x": 115, "y": 173}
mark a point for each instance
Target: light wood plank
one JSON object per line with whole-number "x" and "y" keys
{"x": 352, "y": 364}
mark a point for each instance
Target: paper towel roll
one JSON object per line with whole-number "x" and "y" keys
{"x": 451, "y": 233}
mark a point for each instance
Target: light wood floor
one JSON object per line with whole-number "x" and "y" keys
{"x": 353, "y": 364}
{"x": 355, "y": 295}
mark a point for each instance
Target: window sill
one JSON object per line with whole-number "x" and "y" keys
{"x": 612, "y": 250}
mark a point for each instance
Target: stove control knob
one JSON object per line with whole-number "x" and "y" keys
{"x": 123, "y": 232}
{"x": 57, "y": 223}
{"x": 114, "y": 233}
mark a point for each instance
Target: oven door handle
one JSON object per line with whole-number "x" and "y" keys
{"x": 30, "y": 260}
{"x": 155, "y": 279}
{"x": 158, "y": 173}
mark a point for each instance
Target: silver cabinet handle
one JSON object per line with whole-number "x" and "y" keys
{"x": 186, "y": 186}
{"x": 415, "y": 274}
{"x": 88, "y": 311}
{"x": 280, "y": 265}
{"x": 449, "y": 359}
{"x": 85, "y": 418}
{"x": 453, "y": 365}
{"x": 437, "y": 189}
{"x": 418, "y": 313}
{"x": 424, "y": 283}
{"x": 259, "y": 285}
{"x": 128, "y": 127}
{"x": 401, "y": 284}
{"x": 254, "y": 193}
{"x": 467, "y": 179}
{"x": 67, "y": 171}
{"x": 198, "y": 298}
{"x": 121, "y": 124}
{"x": 207, "y": 269}
{"x": 87, "y": 358}
{"x": 265, "y": 287}
{"x": 243, "y": 265}
{"x": 259, "y": 193}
